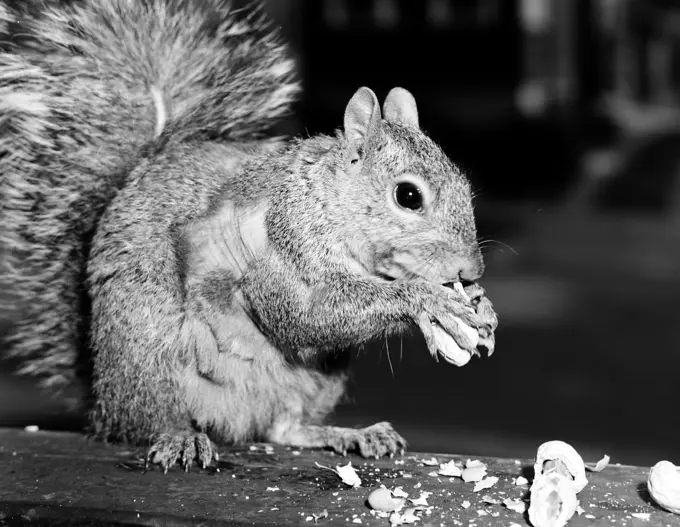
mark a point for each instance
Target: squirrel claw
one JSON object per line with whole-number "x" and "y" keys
{"x": 373, "y": 441}
{"x": 181, "y": 448}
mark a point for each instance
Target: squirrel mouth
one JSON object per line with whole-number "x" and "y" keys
{"x": 463, "y": 283}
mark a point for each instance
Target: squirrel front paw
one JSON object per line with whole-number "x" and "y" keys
{"x": 450, "y": 309}
{"x": 488, "y": 318}
{"x": 455, "y": 322}
{"x": 182, "y": 448}
{"x": 374, "y": 441}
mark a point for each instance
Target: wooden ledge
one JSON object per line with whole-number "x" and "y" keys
{"x": 50, "y": 478}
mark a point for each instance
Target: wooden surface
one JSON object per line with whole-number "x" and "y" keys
{"x": 49, "y": 478}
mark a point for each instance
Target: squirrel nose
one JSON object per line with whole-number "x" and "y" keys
{"x": 472, "y": 269}
{"x": 466, "y": 268}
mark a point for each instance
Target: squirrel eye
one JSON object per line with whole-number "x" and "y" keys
{"x": 408, "y": 196}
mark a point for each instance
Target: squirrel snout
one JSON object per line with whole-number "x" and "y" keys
{"x": 465, "y": 269}
{"x": 472, "y": 269}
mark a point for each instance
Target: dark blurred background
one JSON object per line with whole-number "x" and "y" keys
{"x": 566, "y": 117}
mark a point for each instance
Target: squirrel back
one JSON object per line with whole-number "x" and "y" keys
{"x": 84, "y": 95}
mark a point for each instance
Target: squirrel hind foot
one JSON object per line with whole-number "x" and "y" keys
{"x": 375, "y": 441}
{"x": 183, "y": 448}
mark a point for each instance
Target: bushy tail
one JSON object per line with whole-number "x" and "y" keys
{"x": 82, "y": 89}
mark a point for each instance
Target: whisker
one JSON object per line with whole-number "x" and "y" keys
{"x": 426, "y": 266}
{"x": 401, "y": 348}
{"x": 389, "y": 359}
{"x": 488, "y": 244}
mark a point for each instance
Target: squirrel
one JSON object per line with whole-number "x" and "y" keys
{"x": 200, "y": 277}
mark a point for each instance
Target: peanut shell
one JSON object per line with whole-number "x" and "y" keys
{"x": 553, "y": 500}
{"x": 566, "y": 460}
{"x": 663, "y": 484}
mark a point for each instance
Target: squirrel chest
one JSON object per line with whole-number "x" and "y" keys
{"x": 236, "y": 370}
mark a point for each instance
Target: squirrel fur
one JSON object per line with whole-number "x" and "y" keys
{"x": 205, "y": 279}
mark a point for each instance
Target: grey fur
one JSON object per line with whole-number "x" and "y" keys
{"x": 76, "y": 108}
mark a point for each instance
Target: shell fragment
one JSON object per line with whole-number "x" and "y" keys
{"x": 381, "y": 500}
{"x": 346, "y": 472}
{"x": 485, "y": 483}
{"x": 450, "y": 469}
{"x": 600, "y": 465}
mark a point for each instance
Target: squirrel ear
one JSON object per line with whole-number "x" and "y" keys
{"x": 400, "y": 107}
{"x": 362, "y": 117}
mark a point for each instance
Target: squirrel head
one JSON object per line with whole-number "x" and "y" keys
{"x": 415, "y": 205}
